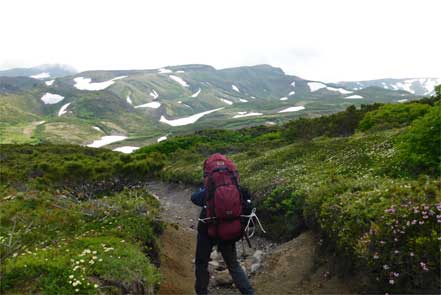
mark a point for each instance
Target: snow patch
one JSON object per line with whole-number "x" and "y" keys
{"x": 354, "y": 97}
{"x": 126, "y": 149}
{"x": 243, "y": 100}
{"x": 341, "y": 90}
{"x": 97, "y": 128}
{"x": 403, "y": 100}
{"x": 430, "y": 84}
{"x": 129, "y": 101}
{"x": 153, "y": 105}
{"x": 247, "y": 115}
{"x": 82, "y": 83}
{"x": 291, "y": 93}
{"x": 187, "y": 120}
{"x": 314, "y": 86}
{"x": 179, "y": 80}
{"x": 50, "y": 98}
{"x": 180, "y": 71}
{"x": 40, "y": 122}
{"x": 293, "y": 83}
{"x": 63, "y": 109}
{"x": 162, "y": 138}
{"x": 292, "y": 109}
{"x": 284, "y": 98}
{"x": 196, "y": 93}
{"x": 253, "y": 97}
{"x": 105, "y": 140}
{"x": 50, "y": 82}
{"x": 41, "y": 76}
{"x": 226, "y": 101}
{"x": 154, "y": 94}
{"x": 165, "y": 71}
{"x": 234, "y": 87}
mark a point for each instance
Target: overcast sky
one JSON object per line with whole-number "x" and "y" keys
{"x": 322, "y": 40}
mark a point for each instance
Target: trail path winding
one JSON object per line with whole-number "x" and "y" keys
{"x": 289, "y": 268}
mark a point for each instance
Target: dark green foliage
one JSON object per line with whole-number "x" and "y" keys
{"x": 68, "y": 165}
{"x": 339, "y": 124}
{"x": 419, "y": 148}
{"x": 393, "y": 116}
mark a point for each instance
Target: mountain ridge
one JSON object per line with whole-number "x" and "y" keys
{"x": 144, "y": 106}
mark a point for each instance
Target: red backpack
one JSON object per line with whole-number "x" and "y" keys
{"x": 223, "y": 200}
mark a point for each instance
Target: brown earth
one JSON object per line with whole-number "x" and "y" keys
{"x": 177, "y": 250}
{"x": 292, "y": 269}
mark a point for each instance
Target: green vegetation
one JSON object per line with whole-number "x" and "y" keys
{"x": 420, "y": 147}
{"x": 393, "y": 116}
{"x": 71, "y": 223}
{"x": 73, "y": 166}
{"x": 54, "y": 244}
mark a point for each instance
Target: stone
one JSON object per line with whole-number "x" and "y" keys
{"x": 255, "y": 267}
{"x": 258, "y": 255}
{"x": 214, "y": 263}
{"x": 214, "y": 255}
{"x": 223, "y": 278}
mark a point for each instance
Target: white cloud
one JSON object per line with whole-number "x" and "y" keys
{"x": 319, "y": 40}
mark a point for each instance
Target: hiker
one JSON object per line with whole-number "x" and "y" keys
{"x": 220, "y": 221}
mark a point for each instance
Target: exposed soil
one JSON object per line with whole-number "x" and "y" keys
{"x": 177, "y": 250}
{"x": 292, "y": 269}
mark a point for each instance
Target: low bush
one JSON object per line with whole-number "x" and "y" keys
{"x": 53, "y": 244}
{"x": 419, "y": 148}
{"x": 393, "y": 116}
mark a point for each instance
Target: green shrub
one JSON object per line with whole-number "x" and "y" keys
{"x": 419, "y": 148}
{"x": 339, "y": 124}
{"x": 392, "y": 116}
{"x": 110, "y": 242}
{"x": 389, "y": 228}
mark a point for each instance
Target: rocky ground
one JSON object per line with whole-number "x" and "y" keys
{"x": 289, "y": 268}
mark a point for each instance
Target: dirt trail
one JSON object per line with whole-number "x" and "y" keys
{"x": 289, "y": 268}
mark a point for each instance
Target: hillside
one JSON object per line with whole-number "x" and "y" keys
{"x": 417, "y": 86}
{"x": 144, "y": 106}
{"x": 365, "y": 181}
{"x": 41, "y": 72}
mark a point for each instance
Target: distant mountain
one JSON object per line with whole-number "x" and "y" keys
{"x": 143, "y": 106}
{"x": 41, "y": 72}
{"x": 417, "y": 86}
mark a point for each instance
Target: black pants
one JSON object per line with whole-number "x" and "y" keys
{"x": 228, "y": 250}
